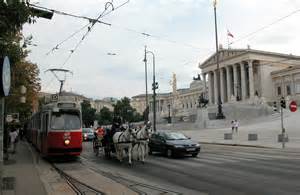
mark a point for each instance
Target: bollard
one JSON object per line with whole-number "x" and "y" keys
{"x": 280, "y": 138}
{"x": 228, "y": 136}
{"x": 252, "y": 137}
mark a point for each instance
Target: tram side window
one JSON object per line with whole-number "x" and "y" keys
{"x": 45, "y": 123}
{"x": 65, "y": 121}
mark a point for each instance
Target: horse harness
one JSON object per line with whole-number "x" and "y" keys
{"x": 123, "y": 142}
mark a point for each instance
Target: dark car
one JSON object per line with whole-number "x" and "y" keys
{"x": 173, "y": 144}
{"x": 87, "y": 134}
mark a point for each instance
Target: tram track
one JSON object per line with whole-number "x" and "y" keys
{"x": 138, "y": 187}
{"x": 77, "y": 186}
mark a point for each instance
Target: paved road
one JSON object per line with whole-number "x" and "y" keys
{"x": 217, "y": 170}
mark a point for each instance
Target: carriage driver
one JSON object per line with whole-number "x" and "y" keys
{"x": 114, "y": 128}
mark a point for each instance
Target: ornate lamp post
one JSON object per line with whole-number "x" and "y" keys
{"x": 220, "y": 114}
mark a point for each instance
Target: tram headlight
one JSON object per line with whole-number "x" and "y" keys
{"x": 67, "y": 142}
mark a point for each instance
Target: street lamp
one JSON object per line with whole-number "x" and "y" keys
{"x": 154, "y": 87}
{"x": 220, "y": 114}
{"x": 146, "y": 82}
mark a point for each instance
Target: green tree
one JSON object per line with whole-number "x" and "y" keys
{"x": 105, "y": 116}
{"x": 88, "y": 113}
{"x": 124, "y": 110}
{"x": 13, "y": 44}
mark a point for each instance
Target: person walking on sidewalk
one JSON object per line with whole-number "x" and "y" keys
{"x": 236, "y": 125}
{"x": 13, "y": 139}
{"x": 232, "y": 126}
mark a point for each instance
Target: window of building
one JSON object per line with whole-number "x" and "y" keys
{"x": 278, "y": 90}
{"x": 288, "y": 90}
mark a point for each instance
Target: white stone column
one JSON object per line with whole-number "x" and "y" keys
{"x": 243, "y": 81}
{"x": 205, "y": 84}
{"x": 222, "y": 85}
{"x": 235, "y": 80}
{"x": 210, "y": 92}
{"x": 216, "y": 86}
{"x": 251, "y": 80}
{"x": 229, "y": 92}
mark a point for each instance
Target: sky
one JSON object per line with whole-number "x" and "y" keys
{"x": 182, "y": 36}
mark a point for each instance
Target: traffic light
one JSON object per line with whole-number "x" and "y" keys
{"x": 155, "y": 86}
{"x": 283, "y": 103}
{"x": 275, "y": 106}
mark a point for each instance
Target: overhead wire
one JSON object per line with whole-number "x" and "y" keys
{"x": 92, "y": 23}
{"x": 266, "y": 26}
{"x": 56, "y": 47}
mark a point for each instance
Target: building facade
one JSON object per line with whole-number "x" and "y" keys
{"x": 183, "y": 104}
{"x": 245, "y": 74}
{"x": 96, "y": 104}
{"x": 99, "y": 104}
{"x": 286, "y": 83}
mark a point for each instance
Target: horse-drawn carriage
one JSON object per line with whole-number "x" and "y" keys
{"x": 120, "y": 139}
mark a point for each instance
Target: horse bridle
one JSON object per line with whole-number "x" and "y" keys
{"x": 130, "y": 133}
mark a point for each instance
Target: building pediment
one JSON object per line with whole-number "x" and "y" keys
{"x": 224, "y": 54}
{"x": 228, "y": 54}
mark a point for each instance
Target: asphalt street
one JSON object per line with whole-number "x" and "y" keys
{"x": 217, "y": 170}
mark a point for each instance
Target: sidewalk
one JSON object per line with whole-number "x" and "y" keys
{"x": 266, "y": 130}
{"x": 23, "y": 176}
{"x": 25, "y": 173}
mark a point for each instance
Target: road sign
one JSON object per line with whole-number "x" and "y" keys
{"x": 293, "y": 106}
{"x": 5, "y": 76}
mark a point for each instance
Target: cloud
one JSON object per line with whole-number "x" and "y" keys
{"x": 183, "y": 36}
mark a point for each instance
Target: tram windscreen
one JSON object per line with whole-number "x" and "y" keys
{"x": 65, "y": 121}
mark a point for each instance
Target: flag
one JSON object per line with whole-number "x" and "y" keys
{"x": 215, "y": 3}
{"x": 229, "y": 34}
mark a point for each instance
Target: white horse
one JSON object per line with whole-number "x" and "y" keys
{"x": 140, "y": 149}
{"x": 124, "y": 140}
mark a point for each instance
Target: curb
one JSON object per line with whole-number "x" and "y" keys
{"x": 241, "y": 145}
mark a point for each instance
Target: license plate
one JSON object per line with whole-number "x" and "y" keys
{"x": 190, "y": 149}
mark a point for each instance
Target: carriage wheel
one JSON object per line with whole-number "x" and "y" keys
{"x": 107, "y": 152}
{"x": 97, "y": 151}
{"x": 94, "y": 146}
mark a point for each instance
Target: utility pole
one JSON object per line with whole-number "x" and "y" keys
{"x": 282, "y": 105}
{"x": 154, "y": 87}
{"x": 220, "y": 114}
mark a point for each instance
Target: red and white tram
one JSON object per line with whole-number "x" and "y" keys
{"x": 56, "y": 129}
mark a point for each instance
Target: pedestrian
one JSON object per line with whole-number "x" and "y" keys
{"x": 13, "y": 139}
{"x": 21, "y": 133}
{"x": 232, "y": 126}
{"x": 236, "y": 125}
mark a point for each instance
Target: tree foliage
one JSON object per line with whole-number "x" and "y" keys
{"x": 12, "y": 17}
{"x": 88, "y": 114}
{"x": 13, "y": 44}
{"x": 24, "y": 73}
{"x": 105, "y": 116}
{"x": 124, "y": 110}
